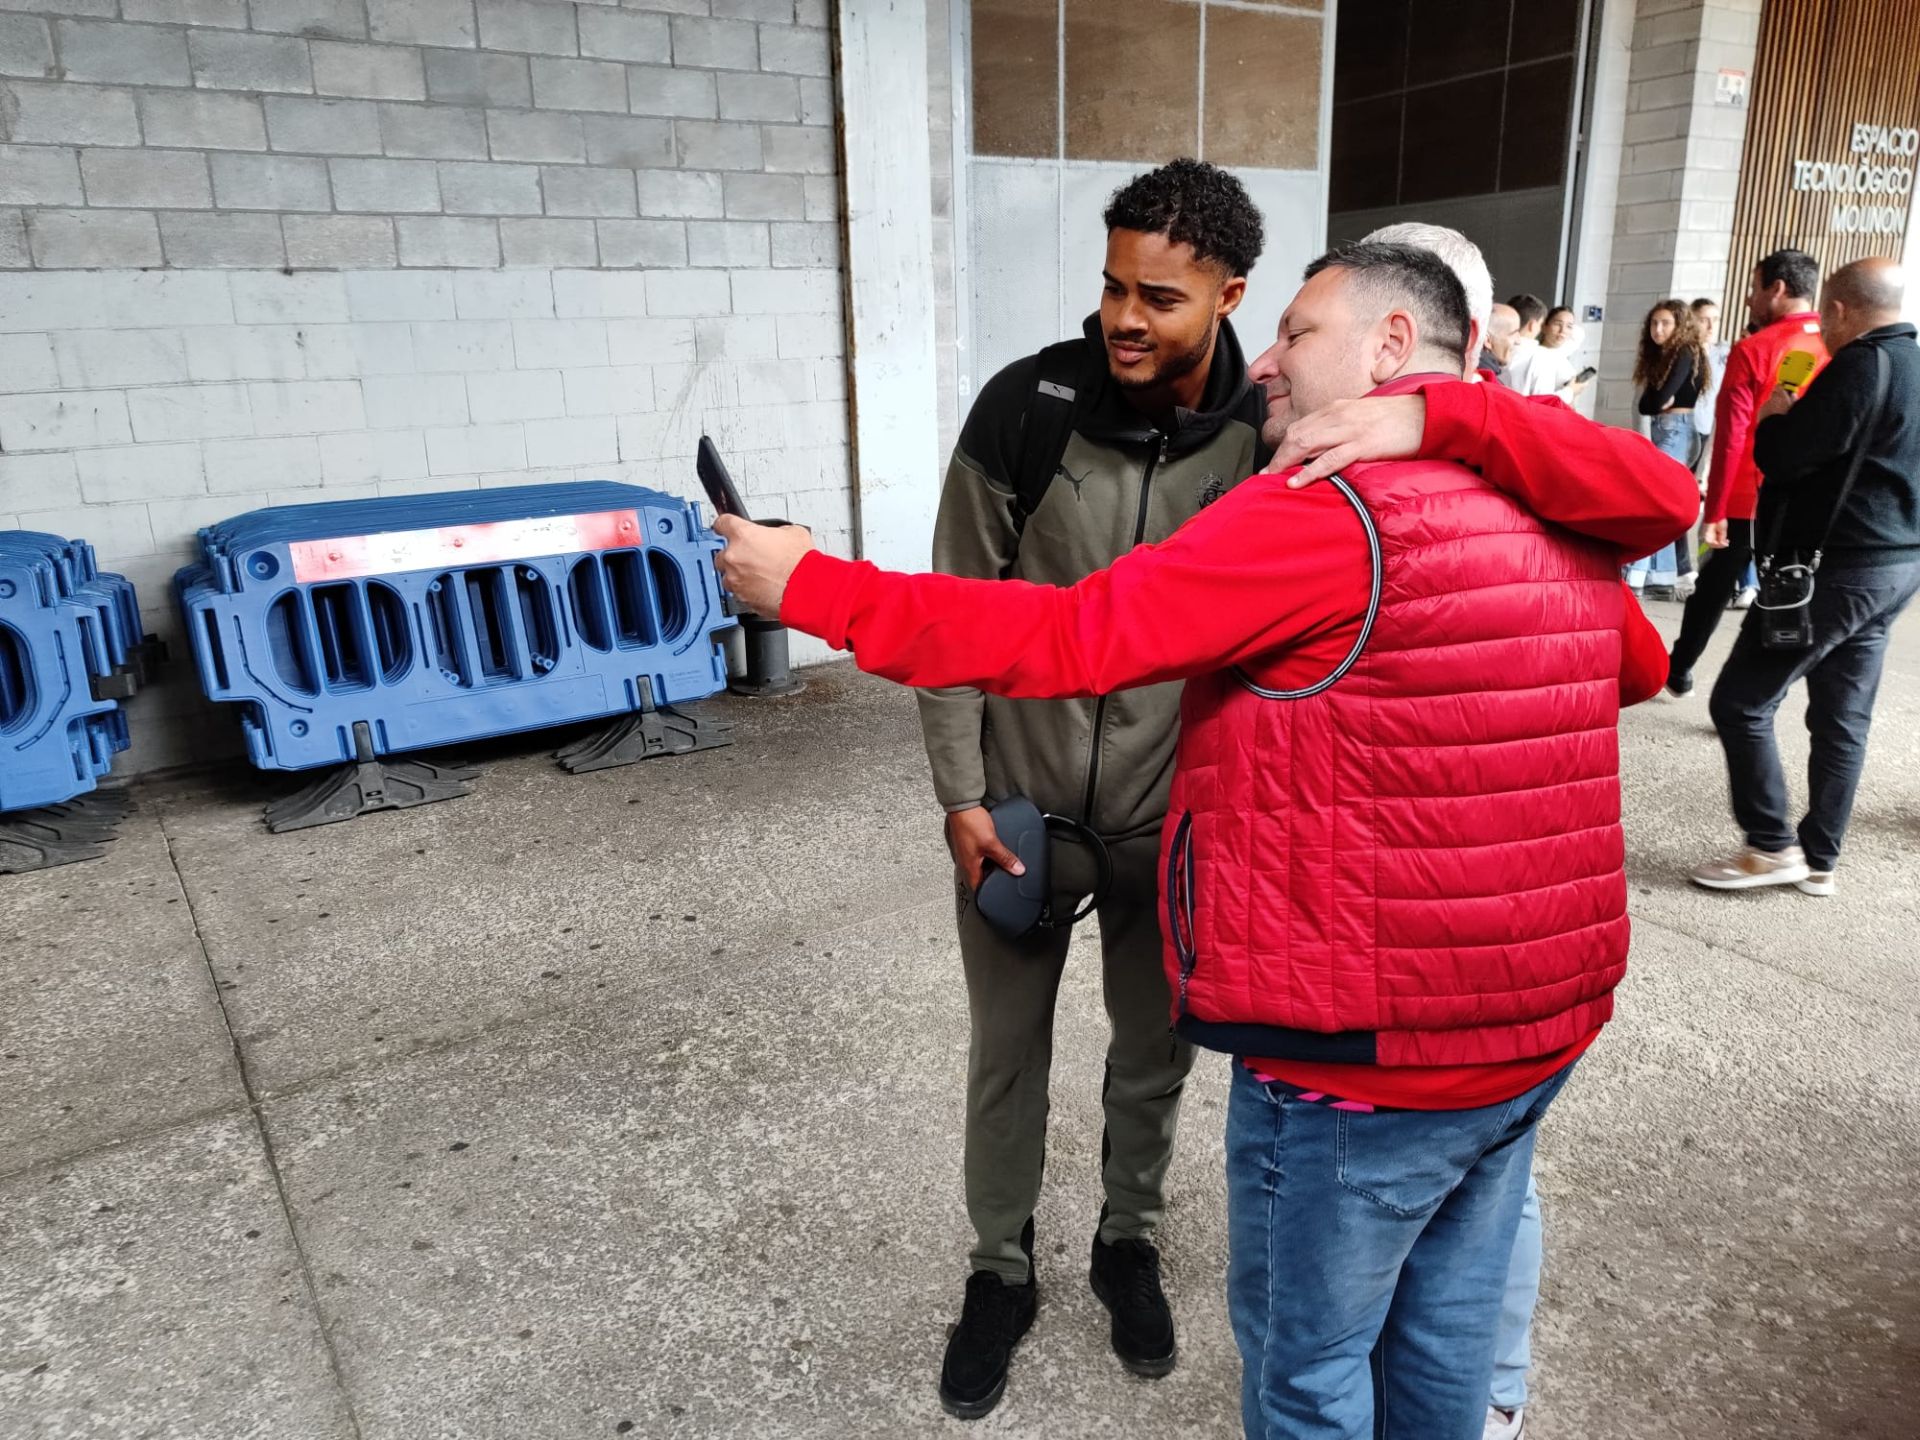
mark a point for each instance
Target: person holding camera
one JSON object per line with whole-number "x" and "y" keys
{"x": 1399, "y": 683}
{"x": 1838, "y": 536}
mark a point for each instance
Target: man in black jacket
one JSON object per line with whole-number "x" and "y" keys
{"x": 1868, "y": 570}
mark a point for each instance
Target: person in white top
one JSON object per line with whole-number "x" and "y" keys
{"x": 1706, "y": 319}
{"x": 1549, "y": 365}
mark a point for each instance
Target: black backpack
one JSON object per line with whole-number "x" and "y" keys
{"x": 1067, "y": 380}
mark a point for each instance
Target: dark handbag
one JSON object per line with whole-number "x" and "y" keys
{"x": 1018, "y": 905}
{"x": 1785, "y": 601}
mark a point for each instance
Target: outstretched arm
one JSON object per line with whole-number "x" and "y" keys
{"x": 1259, "y": 574}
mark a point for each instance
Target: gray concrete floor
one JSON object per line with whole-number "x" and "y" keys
{"x": 630, "y": 1104}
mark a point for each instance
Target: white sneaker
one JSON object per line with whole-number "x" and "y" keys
{"x": 1753, "y": 868}
{"x": 1683, "y": 587}
{"x": 1744, "y": 600}
{"x": 1818, "y": 882}
{"x": 1504, "y": 1424}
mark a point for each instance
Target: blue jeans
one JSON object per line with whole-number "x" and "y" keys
{"x": 1367, "y": 1257}
{"x": 1672, "y": 434}
{"x": 1513, "y": 1343}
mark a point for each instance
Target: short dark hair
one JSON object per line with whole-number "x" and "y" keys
{"x": 1796, "y": 269}
{"x": 1705, "y": 300}
{"x": 1414, "y": 279}
{"x": 1193, "y": 203}
{"x": 1531, "y": 308}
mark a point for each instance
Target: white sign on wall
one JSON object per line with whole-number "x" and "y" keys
{"x": 1880, "y": 169}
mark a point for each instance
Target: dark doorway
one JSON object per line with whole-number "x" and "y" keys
{"x": 1461, "y": 113}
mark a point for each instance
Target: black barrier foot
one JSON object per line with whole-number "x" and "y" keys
{"x": 768, "y": 672}
{"x": 61, "y": 834}
{"x": 367, "y": 784}
{"x": 643, "y": 735}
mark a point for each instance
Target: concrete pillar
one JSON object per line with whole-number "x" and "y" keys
{"x": 886, "y": 169}
{"x": 1679, "y": 173}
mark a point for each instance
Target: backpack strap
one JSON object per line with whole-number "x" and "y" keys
{"x": 1064, "y": 388}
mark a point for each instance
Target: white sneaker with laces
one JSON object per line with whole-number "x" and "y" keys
{"x": 1744, "y": 600}
{"x": 1504, "y": 1424}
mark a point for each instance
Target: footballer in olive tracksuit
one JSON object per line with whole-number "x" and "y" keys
{"x": 1141, "y": 460}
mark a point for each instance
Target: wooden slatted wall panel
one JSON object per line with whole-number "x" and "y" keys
{"x": 1821, "y": 67}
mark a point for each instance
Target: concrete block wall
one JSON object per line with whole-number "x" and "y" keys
{"x": 1594, "y": 218}
{"x": 1679, "y": 174}
{"x": 941, "y": 79}
{"x": 259, "y": 252}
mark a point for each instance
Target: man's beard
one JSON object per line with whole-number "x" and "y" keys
{"x": 1173, "y": 368}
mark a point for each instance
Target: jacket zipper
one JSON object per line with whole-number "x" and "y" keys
{"x": 1155, "y": 454}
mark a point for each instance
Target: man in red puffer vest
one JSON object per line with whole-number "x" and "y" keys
{"x": 1394, "y": 873}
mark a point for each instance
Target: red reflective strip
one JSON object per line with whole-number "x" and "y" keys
{"x": 450, "y": 545}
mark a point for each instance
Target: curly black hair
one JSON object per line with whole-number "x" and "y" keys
{"x": 1193, "y": 203}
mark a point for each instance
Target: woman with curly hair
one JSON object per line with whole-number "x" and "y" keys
{"x": 1671, "y": 369}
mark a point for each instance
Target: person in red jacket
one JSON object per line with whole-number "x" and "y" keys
{"x": 1394, "y": 871}
{"x": 1780, "y": 300}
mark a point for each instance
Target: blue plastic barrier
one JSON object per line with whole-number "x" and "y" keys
{"x": 436, "y": 619}
{"x": 70, "y": 648}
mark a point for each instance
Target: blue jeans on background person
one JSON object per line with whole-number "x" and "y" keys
{"x": 1673, "y": 436}
{"x": 1368, "y": 1254}
{"x": 1513, "y": 1345}
{"x": 1853, "y": 609}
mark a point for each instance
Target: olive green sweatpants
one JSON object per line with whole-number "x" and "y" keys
{"x": 1011, "y": 989}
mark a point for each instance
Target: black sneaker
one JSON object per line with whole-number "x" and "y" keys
{"x": 1679, "y": 682}
{"x": 1126, "y": 1277}
{"x": 995, "y": 1316}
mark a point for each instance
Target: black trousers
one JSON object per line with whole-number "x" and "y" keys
{"x": 1853, "y": 610}
{"x": 1719, "y": 581}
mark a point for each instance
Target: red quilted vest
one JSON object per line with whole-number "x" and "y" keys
{"x": 1421, "y": 864}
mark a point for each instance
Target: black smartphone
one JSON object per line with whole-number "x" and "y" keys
{"x": 721, "y": 492}
{"x": 1585, "y": 375}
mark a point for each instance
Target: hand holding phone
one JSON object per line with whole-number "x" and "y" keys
{"x": 1796, "y": 368}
